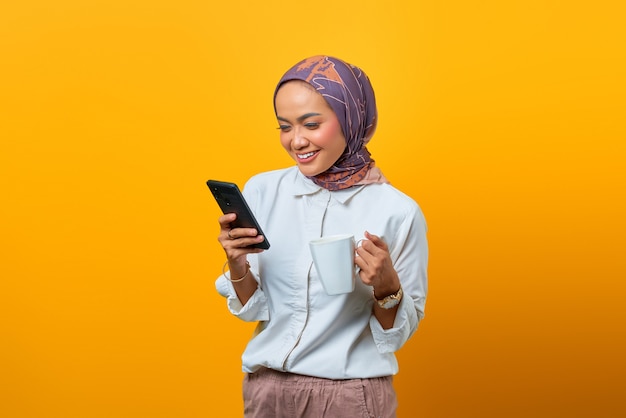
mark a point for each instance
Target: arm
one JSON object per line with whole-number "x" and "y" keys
{"x": 235, "y": 243}
{"x": 405, "y": 260}
{"x": 376, "y": 270}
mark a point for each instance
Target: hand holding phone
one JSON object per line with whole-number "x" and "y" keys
{"x": 230, "y": 200}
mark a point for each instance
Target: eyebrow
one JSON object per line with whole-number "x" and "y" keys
{"x": 300, "y": 118}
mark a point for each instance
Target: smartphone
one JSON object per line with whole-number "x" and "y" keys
{"x": 230, "y": 200}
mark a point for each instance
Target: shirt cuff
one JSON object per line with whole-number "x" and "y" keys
{"x": 392, "y": 339}
{"x": 254, "y": 310}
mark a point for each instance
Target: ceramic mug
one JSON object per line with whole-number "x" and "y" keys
{"x": 333, "y": 257}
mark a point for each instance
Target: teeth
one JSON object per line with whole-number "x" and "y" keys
{"x": 307, "y": 155}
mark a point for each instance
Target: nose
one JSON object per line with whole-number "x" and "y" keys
{"x": 299, "y": 140}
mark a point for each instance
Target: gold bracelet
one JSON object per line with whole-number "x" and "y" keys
{"x": 239, "y": 279}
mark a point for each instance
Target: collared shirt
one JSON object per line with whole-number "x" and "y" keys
{"x": 302, "y": 329}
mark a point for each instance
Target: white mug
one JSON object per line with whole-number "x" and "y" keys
{"x": 333, "y": 257}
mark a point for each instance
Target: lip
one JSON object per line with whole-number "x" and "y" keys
{"x": 307, "y": 159}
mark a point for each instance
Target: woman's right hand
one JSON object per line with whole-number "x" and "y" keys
{"x": 236, "y": 242}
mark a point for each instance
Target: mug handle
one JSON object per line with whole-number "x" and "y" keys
{"x": 357, "y": 269}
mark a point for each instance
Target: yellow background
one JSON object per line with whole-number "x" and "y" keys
{"x": 503, "y": 119}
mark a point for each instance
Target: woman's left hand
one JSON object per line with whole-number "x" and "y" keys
{"x": 376, "y": 267}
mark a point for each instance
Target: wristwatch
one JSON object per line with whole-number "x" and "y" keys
{"x": 391, "y": 300}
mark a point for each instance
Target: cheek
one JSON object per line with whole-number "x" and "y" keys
{"x": 284, "y": 141}
{"x": 331, "y": 135}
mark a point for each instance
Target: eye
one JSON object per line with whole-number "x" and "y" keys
{"x": 312, "y": 125}
{"x": 284, "y": 128}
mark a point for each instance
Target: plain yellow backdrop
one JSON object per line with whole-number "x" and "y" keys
{"x": 503, "y": 119}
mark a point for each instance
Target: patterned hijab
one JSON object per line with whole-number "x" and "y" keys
{"x": 349, "y": 93}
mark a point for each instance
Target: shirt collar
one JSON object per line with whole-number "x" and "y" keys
{"x": 305, "y": 186}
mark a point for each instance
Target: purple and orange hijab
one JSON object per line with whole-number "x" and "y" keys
{"x": 347, "y": 89}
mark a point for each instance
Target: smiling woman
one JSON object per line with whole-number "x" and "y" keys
{"x": 326, "y": 346}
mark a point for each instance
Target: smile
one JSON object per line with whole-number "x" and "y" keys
{"x": 307, "y": 155}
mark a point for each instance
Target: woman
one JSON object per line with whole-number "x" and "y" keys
{"x": 316, "y": 355}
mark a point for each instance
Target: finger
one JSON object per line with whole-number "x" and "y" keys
{"x": 364, "y": 274}
{"x": 232, "y": 239}
{"x": 363, "y": 257}
{"x": 241, "y": 246}
{"x": 248, "y": 241}
{"x": 365, "y": 249}
{"x": 237, "y": 233}
{"x": 360, "y": 261}
{"x": 376, "y": 240}
{"x": 225, "y": 220}
{"x": 368, "y": 249}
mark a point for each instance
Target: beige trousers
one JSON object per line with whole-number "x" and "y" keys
{"x": 272, "y": 394}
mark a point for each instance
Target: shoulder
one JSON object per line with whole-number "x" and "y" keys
{"x": 388, "y": 202}
{"x": 387, "y": 195}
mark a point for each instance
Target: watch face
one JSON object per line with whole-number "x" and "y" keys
{"x": 391, "y": 300}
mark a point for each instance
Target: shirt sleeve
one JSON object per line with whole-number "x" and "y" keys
{"x": 409, "y": 250}
{"x": 255, "y": 309}
{"x": 405, "y": 324}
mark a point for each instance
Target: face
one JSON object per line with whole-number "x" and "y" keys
{"x": 309, "y": 129}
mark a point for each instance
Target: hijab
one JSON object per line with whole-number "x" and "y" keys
{"x": 349, "y": 93}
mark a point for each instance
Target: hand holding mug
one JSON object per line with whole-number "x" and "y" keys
{"x": 376, "y": 267}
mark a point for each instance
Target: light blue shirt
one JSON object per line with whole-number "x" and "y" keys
{"x": 302, "y": 329}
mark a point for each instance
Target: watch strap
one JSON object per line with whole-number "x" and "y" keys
{"x": 390, "y": 301}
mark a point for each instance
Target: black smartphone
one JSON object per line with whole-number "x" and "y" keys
{"x": 229, "y": 198}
